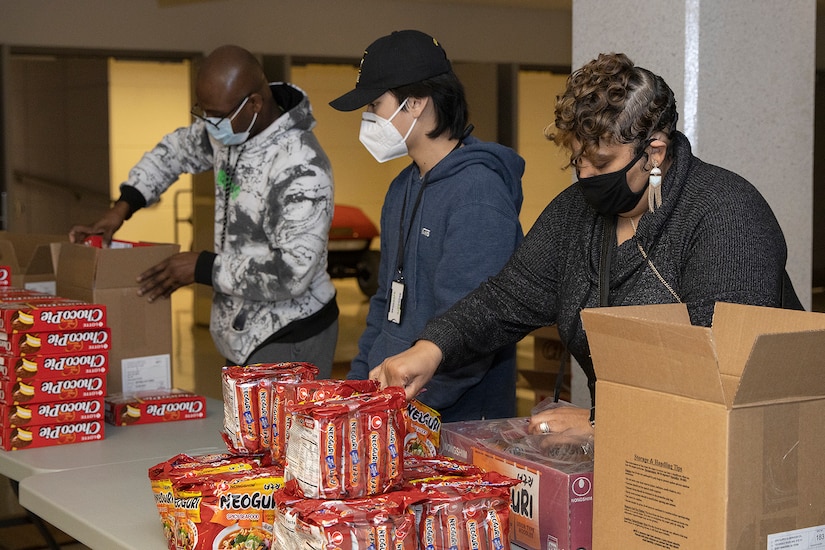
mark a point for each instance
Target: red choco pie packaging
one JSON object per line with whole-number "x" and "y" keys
{"x": 154, "y": 406}
{"x": 55, "y": 343}
{"x": 27, "y": 392}
{"x": 40, "y": 414}
{"x": 30, "y": 437}
{"x": 52, "y": 367}
{"x": 50, "y": 315}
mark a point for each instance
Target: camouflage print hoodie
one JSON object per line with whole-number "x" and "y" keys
{"x": 273, "y": 210}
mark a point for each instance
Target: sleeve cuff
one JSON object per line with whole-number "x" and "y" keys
{"x": 133, "y": 198}
{"x": 203, "y": 267}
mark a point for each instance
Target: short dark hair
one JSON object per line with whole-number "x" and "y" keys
{"x": 449, "y": 101}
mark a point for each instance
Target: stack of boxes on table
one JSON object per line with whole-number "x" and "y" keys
{"x": 53, "y": 364}
{"x": 62, "y": 355}
{"x": 326, "y": 464}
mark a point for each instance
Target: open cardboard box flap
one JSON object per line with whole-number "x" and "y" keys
{"x": 80, "y": 265}
{"x": 29, "y": 254}
{"x": 750, "y": 355}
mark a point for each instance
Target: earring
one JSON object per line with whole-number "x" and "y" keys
{"x": 654, "y": 194}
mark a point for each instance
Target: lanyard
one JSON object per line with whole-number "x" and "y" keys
{"x": 402, "y": 236}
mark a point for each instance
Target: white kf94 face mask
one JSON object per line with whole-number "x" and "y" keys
{"x": 381, "y": 138}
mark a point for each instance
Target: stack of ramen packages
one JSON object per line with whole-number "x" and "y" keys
{"x": 54, "y": 356}
{"x": 226, "y": 500}
{"x": 320, "y": 465}
{"x": 441, "y": 504}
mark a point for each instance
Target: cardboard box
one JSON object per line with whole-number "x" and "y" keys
{"x": 155, "y": 406}
{"x": 141, "y": 331}
{"x": 31, "y": 258}
{"x": 60, "y": 412}
{"x": 548, "y": 349}
{"x": 551, "y": 508}
{"x": 549, "y": 355}
{"x": 707, "y": 437}
{"x": 13, "y": 439}
{"x": 43, "y": 367}
{"x": 16, "y": 392}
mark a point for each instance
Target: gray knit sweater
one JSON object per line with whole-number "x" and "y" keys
{"x": 713, "y": 239}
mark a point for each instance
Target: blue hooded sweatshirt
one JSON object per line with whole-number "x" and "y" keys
{"x": 463, "y": 231}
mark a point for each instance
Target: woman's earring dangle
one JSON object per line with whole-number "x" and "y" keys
{"x": 654, "y": 195}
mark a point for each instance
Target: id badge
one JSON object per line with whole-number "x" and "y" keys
{"x": 396, "y": 297}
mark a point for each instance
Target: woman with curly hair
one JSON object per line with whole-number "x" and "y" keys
{"x": 646, "y": 222}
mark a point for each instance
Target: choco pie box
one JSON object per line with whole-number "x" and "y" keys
{"x": 15, "y": 392}
{"x": 148, "y": 407}
{"x": 24, "y": 313}
{"x": 31, "y": 324}
{"x": 43, "y": 414}
{"x": 12, "y": 439}
{"x": 75, "y": 365}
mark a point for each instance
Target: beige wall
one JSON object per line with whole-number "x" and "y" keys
{"x": 146, "y": 101}
{"x": 338, "y": 28}
{"x": 150, "y": 99}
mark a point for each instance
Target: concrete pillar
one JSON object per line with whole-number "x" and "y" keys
{"x": 743, "y": 72}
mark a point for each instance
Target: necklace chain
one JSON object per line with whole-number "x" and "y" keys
{"x": 650, "y": 263}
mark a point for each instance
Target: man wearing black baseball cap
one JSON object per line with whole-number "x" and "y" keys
{"x": 401, "y": 58}
{"x": 449, "y": 221}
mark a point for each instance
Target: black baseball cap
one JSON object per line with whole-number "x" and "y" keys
{"x": 398, "y": 59}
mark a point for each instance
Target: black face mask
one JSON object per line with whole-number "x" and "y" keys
{"x": 609, "y": 194}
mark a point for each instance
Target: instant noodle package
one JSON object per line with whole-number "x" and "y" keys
{"x": 348, "y": 447}
{"x": 462, "y": 508}
{"x": 247, "y": 401}
{"x": 257, "y": 399}
{"x": 187, "y": 491}
{"x": 321, "y": 465}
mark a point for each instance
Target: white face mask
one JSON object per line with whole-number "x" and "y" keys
{"x": 381, "y": 138}
{"x": 221, "y": 128}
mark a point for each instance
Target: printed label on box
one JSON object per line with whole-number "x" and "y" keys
{"x": 812, "y": 538}
{"x": 153, "y": 372}
{"x": 5, "y": 275}
{"x": 524, "y": 519}
{"x": 46, "y": 287}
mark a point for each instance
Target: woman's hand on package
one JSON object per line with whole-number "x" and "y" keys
{"x": 561, "y": 419}
{"x": 410, "y": 369}
{"x": 105, "y": 226}
{"x": 161, "y": 280}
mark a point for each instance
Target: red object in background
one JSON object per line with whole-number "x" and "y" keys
{"x": 350, "y": 237}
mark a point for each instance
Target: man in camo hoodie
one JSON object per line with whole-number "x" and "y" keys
{"x": 273, "y": 299}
